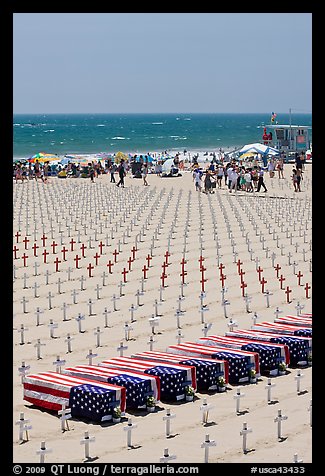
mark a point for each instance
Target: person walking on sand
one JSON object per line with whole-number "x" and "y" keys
{"x": 144, "y": 173}
{"x": 197, "y": 174}
{"x": 260, "y": 182}
{"x": 122, "y": 173}
{"x": 279, "y": 167}
{"x": 112, "y": 169}
{"x": 299, "y": 179}
{"x": 91, "y": 172}
{"x": 220, "y": 174}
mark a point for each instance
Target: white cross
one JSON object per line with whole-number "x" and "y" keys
{"x": 167, "y": 457}
{"x": 86, "y": 441}
{"x": 178, "y": 314}
{"x": 36, "y": 295}
{"x": 138, "y": 294}
{"x": 267, "y": 294}
{"x": 244, "y": 433}
{"x": 279, "y": 420}
{"x": 43, "y": 451}
{"x": 97, "y": 290}
{"x": 205, "y": 408}
{"x": 310, "y": 410}
{"x": 121, "y": 348}
{"x": 74, "y": 294}
{"x": 52, "y": 325}
{"x": 296, "y": 459}
{"x": 167, "y": 419}
{"x": 23, "y": 370}
{"x": 206, "y": 445}
{"x": 114, "y": 299}
{"x": 127, "y": 329}
{"x": 206, "y": 327}
{"x": 50, "y": 295}
{"x": 202, "y": 310}
{"x": 151, "y": 342}
{"x": 299, "y": 308}
{"x": 23, "y": 427}
{"x": 38, "y": 348}
{"x": 269, "y": 388}
{"x": 105, "y": 313}
{"x": 65, "y": 415}
{"x": 22, "y": 331}
{"x": 161, "y": 289}
{"x": 121, "y": 288}
{"x": 64, "y": 309}
{"x": 90, "y": 356}
{"x": 225, "y": 303}
{"x": 25, "y": 281}
{"x": 24, "y": 301}
{"x": 129, "y": 428}
{"x": 58, "y": 363}
{"x": 231, "y": 324}
{"x": 68, "y": 339}
{"x": 90, "y": 306}
{"x": 298, "y": 377}
{"x": 132, "y": 309}
{"x": 179, "y": 336}
{"x": 237, "y": 397}
{"x": 154, "y": 322}
{"x": 247, "y": 299}
{"x": 79, "y": 319}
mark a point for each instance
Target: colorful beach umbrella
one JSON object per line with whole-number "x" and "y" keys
{"x": 258, "y": 148}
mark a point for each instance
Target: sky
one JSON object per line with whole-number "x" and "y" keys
{"x": 162, "y": 62}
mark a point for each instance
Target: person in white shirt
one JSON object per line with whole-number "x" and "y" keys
{"x": 260, "y": 182}
{"x": 248, "y": 178}
{"x": 233, "y": 178}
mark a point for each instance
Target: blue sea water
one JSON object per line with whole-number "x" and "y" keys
{"x": 64, "y": 134}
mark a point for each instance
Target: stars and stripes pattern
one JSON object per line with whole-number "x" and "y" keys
{"x": 283, "y": 329}
{"x": 138, "y": 386}
{"x": 85, "y": 397}
{"x": 270, "y": 355}
{"x": 299, "y": 347}
{"x": 240, "y": 362}
{"x": 295, "y": 321}
{"x": 173, "y": 377}
{"x": 207, "y": 370}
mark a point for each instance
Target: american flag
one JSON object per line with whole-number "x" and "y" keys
{"x": 299, "y": 347}
{"x": 283, "y": 329}
{"x": 173, "y": 377}
{"x": 240, "y": 362}
{"x": 270, "y": 354}
{"x": 86, "y": 398}
{"x": 295, "y": 321}
{"x": 207, "y": 370}
{"x": 138, "y": 386}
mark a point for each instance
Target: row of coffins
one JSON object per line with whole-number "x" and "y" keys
{"x": 95, "y": 392}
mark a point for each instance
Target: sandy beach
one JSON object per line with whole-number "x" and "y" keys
{"x": 260, "y": 229}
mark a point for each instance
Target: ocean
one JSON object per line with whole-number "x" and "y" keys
{"x": 64, "y": 134}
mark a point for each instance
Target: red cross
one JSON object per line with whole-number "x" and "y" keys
{"x": 145, "y": 270}
{"x": 72, "y": 242}
{"x": 288, "y": 291}
{"x": 239, "y": 263}
{"x": 97, "y": 256}
{"x": 167, "y": 254}
{"x": 163, "y": 277}
{"x": 109, "y": 265}
{"x": 277, "y": 268}
{"x": 24, "y": 257}
{"x": 15, "y": 249}
{"x": 259, "y": 270}
{"x": 299, "y": 276}
{"x": 25, "y": 240}
{"x": 56, "y": 262}
{"x": 243, "y": 286}
{"x": 17, "y": 235}
{"x": 164, "y": 266}
{"x": 133, "y": 250}
{"x": 53, "y": 244}
{"x": 44, "y": 238}
{"x": 45, "y": 253}
{"x": 223, "y": 279}
{"x": 183, "y": 263}
{"x": 100, "y": 245}
{"x": 90, "y": 267}
{"x": 34, "y": 248}
{"x": 221, "y": 267}
{"x": 64, "y": 250}
{"x": 77, "y": 259}
{"x": 124, "y": 272}
{"x": 281, "y": 279}
{"x": 130, "y": 261}
{"x": 202, "y": 281}
{"x": 148, "y": 258}
{"x": 115, "y": 253}
{"x": 263, "y": 282}
{"x": 82, "y": 248}
{"x": 241, "y": 274}
{"x": 183, "y": 274}
{"x": 200, "y": 260}
{"x": 306, "y": 288}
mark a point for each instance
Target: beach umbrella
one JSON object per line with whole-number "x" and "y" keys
{"x": 258, "y": 148}
{"x": 119, "y": 156}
